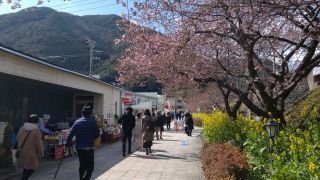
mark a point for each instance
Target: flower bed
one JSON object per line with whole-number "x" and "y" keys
{"x": 223, "y": 161}
{"x": 295, "y": 155}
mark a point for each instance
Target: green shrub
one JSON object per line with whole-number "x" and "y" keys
{"x": 304, "y": 111}
{"x": 219, "y": 127}
{"x": 295, "y": 155}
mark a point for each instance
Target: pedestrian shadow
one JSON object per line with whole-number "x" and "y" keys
{"x": 167, "y": 140}
{"x": 158, "y": 150}
{"x": 157, "y": 156}
{"x": 191, "y": 157}
{"x": 153, "y": 150}
{"x": 166, "y": 135}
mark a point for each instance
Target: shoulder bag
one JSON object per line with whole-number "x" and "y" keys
{"x": 24, "y": 141}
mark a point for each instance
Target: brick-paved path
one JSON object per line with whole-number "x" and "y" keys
{"x": 175, "y": 157}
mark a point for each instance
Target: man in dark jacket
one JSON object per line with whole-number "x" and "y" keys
{"x": 189, "y": 123}
{"x": 168, "y": 120}
{"x": 86, "y": 131}
{"x": 160, "y": 121}
{"x": 128, "y": 122}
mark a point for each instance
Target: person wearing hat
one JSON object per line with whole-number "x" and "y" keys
{"x": 86, "y": 131}
{"x": 29, "y": 144}
{"x": 128, "y": 122}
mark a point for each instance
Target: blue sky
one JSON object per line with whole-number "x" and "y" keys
{"x": 76, "y": 7}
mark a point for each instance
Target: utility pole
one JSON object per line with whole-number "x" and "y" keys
{"x": 91, "y": 45}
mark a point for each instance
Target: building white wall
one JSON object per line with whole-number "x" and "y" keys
{"x": 141, "y": 97}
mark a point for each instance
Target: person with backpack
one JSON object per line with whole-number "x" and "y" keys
{"x": 128, "y": 122}
{"x": 148, "y": 128}
{"x": 159, "y": 124}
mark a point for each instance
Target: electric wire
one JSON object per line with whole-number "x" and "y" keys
{"x": 66, "y": 4}
{"x": 79, "y": 5}
{"x": 98, "y": 7}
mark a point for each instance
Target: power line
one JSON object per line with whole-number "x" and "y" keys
{"x": 70, "y": 55}
{"x": 98, "y": 7}
{"x": 79, "y": 5}
{"x": 65, "y": 4}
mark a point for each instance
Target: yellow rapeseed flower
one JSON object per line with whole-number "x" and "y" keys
{"x": 292, "y": 147}
{"x": 312, "y": 167}
{"x": 299, "y": 141}
{"x": 286, "y": 117}
{"x": 281, "y": 133}
{"x": 292, "y": 137}
{"x": 278, "y": 158}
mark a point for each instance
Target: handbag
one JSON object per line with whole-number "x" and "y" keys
{"x": 17, "y": 155}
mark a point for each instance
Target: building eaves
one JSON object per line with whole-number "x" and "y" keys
{"x": 40, "y": 61}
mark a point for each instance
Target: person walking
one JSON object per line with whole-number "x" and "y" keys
{"x": 138, "y": 130}
{"x": 159, "y": 119}
{"x": 189, "y": 123}
{"x": 148, "y": 128}
{"x": 128, "y": 122}
{"x": 29, "y": 145}
{"x": 168, "y": 120}
{"x": 86, "y": 131}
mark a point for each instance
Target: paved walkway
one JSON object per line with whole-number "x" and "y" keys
{"x": 175, "y": 157}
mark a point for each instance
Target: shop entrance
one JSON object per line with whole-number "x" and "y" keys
{"x": 80, "y": 101}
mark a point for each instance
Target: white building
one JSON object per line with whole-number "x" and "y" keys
{"x": 30, "y": 85}
{"x": 143, "y": 100}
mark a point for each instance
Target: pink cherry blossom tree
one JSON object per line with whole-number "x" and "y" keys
{"x": 258, "y": 50}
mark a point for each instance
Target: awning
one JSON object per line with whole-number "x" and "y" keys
{"x": 142, "y": 106}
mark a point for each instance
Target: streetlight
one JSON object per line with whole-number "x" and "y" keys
{"x": 272, "y": 128}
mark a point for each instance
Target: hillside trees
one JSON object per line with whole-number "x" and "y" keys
{"x": 258, "y": 50}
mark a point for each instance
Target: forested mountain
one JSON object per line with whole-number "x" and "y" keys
{"x": 59, "y": 37}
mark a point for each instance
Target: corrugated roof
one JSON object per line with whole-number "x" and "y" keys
{"x": 40, "y": 61}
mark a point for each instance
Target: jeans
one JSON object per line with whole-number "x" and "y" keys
{"x": 124, "y": 140}
{"x": 86, "y": 158}
{"x": 26, "y": 174}
{"x": 158, "y": 129}
{"x": 168, "y": 126}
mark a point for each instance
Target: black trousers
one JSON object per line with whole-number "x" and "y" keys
{"x": 124, "y": 142}
{"x": 26, "y": 174}
{"x": 189, "y": 131}
{"x": 86, "y": 159}
{"x": 168, "y": 125}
